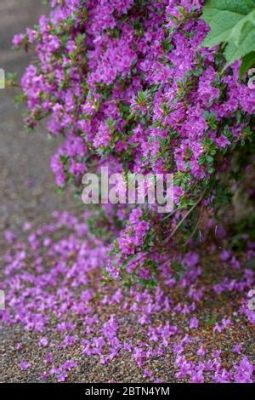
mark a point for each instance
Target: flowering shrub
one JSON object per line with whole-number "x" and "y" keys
{"x": 129, "y": 84}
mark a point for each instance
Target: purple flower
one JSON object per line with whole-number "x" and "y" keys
{"x": 194, "y": 323}
{"x": 25, "y": 365}
{"x": 44, "y": 342}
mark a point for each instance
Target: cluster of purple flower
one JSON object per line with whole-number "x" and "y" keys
{"x": 128, "y": 82}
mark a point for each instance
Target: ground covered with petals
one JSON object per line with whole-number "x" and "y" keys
{"x": 71, "y": 322}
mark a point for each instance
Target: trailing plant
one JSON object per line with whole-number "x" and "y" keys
{"x": 132, "y": 85}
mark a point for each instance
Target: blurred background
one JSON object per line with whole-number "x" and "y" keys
{"x": 27, "y": 186}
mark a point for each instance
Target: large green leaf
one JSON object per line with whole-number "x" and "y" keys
{"x": 247, "y": 63}
{"x": 232, "y": 23}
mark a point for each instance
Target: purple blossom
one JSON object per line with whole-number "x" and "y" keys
{"x": 25, "y": 365}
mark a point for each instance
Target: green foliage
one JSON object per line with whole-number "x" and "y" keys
{"x": 232, "y": 24}
{"x": 247, "y": 62}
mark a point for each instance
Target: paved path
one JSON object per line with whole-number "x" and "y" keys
{"x": 27, "y": 186}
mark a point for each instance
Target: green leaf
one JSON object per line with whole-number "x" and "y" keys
{"x": 232, "y": 23}
{"x": 247, "y": 63}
